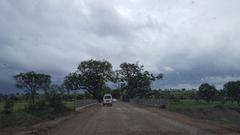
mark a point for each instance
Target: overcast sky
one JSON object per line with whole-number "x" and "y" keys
{"x": 190, "y": 41}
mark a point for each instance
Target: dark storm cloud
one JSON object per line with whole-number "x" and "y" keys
{"x": 189, "y": 41}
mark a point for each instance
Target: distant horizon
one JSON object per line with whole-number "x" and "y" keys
{"x": 13, "y": 89}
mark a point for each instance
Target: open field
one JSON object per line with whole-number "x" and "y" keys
{"x": 17, "y": 106}
{"x": 194, "y": 104}
{"x": 69, "y": 104}
{"x": 21, "y": 105}
{"x": 21, "y": 117}
{"x": 228, "y": 113}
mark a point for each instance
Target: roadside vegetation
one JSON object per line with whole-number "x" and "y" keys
{"x": 42, "y": 100}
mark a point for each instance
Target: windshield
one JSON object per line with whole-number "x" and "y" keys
{"x": 130, "y": 67}
{"x": 107, "y": 97}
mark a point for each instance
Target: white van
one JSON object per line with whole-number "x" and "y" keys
{"x": 107, "y": 99}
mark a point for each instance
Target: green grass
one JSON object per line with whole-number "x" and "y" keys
{"x": 194, "y": 104}
{"x": 16, "y": 118}
{"x": 1, "y": 106}
{"x": 216, "y": 111}
{"x": 69, "y": 104}
{"x": 17, "y": 106}
{"x": 21, "y": 105}
{"x": 21, "y": 116}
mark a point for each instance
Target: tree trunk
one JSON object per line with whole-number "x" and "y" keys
{"x": 33, "y": 93}
{"x": 33, "y": 99}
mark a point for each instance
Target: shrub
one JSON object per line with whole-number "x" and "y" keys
{"x": 40, "y": 109}
{"x": 22, "y": 117}
{"x": 48, "y": 108}
{"x": 7, "y": 120}
{"x": 8, "y": 106}
{"x": 38, "y": 106}
{"x": 15, "y": 119}
{"x": 55, "y": 102}
{"x": 176, "y": 100}
{"x": 207, "y": 92}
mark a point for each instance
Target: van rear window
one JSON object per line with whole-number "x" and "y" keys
{"x": 107, "y": 97}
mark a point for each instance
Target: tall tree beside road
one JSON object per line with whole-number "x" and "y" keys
{"x": 92, "y": 76}
{"x": 137, "y": 81}
{"x": 32, "y": 82}
{"x": 232, "y": 89}
{"x": 207, "y": 92}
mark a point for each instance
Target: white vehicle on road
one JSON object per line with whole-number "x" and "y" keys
{"x": 107, "y": 99}
{"x": 114, "y": 100}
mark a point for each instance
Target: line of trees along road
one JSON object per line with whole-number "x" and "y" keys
{"x": 46, "y": 100}
{"x": 133, "y": 81}
{"x": 92, "y": 75}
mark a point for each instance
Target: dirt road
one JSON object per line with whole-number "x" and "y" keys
{"x": 126, "y": 119}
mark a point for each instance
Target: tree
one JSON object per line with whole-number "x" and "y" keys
{"x": 232, "y": 90}
{"x": 92, "y": 76}
{"x": 59, "y": 89}
{"x": 207, "y": 92}
{"x": 116, "y": 93}
{"x": 137, "y": 81}
{"x": 72, "y": 82}
{"x": 55, "y": 100}
{"x": 32, "y": 82}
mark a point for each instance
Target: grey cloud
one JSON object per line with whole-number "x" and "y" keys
{"x": 188, "y": 41}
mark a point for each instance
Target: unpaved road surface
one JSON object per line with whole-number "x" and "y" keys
{"x": 126, "y": 119}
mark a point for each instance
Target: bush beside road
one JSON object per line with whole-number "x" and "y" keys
{"x": 20, "y": 116}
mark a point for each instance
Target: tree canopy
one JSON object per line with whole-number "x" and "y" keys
{"x": 207, "y": 92}
{"x": 135, "y": 79}
{"x": 92, "y": 76}
{"x": 32, "y": 82}
{"x": 232, "y": 90}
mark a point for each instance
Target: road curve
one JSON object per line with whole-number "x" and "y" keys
{"x": 123, "y": 119}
